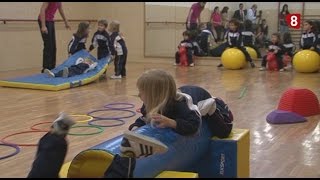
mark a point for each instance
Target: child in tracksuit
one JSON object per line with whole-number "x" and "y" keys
{"x": 234, "y": 39}
{"x": 309, "y": 38}
{"x": 101, "y": 39}
{"x": 79, "y": 39}
{"x": 206, "y": 39}
{"x": 121, "y": 51}
{"x": 187, "y": 43}
{"x": 276, "y": 48}
{"x": 181, "y": 110}
{"x": 288, "y": 48}
{"x": 81, "y": 66}
{"x": 248, "y": 37}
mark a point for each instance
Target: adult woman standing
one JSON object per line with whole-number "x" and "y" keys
{"x": 216, "y": 21}
{"x": 225, "y": 18}
{"x": 282, "y": 19}
{"x": 46, "y": 24}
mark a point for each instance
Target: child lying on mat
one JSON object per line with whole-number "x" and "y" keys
{"x": 81, "y": 66}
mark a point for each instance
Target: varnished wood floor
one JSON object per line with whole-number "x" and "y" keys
{"x": 276, "y": 150}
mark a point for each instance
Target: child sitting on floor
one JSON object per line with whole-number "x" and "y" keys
{"x": 81, "y": 66}
{"x": 187, "y": 43}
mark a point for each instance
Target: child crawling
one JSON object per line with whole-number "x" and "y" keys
{"x": 80, "y": 67}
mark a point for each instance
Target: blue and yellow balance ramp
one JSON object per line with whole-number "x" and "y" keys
{"x": 195, "y": 156}
{"x": 43, "y": 82}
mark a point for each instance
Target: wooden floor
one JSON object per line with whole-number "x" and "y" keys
{"x": 276, "y": 150}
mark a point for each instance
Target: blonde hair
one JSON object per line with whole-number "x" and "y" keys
{"x": 159, "y": 89}
{"x": 114, "y": 26}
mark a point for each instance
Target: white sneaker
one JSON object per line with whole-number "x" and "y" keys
{"x": 191, "y": 65}
{"x": 65, "y": 72}
{"x": 281, "y": 70}
{"x": 262, "y": 69}
{"x": 137, "y": 145}
{"x": 62, "y": 124}
{"x": 115, "y": 77}
{"x": 288, "y": 67}
{"x": 175, "y": 64}
{"x": 49, "y": 73}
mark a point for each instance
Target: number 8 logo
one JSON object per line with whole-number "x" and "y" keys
{"x": 293, "y": 20}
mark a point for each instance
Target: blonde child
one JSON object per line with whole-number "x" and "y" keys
{"x": 181, "y": 109}
{"x": 121, "y": 51}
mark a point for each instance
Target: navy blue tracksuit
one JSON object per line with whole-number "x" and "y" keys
{"x": 121, "y": 52}
{"x": 271, "y": 48}
{"x": 77, "y": 44}
{"x": 101, "y": 39}
{"x": 248, "y": 39}
{"x": 309, "y": 40}
{"x": 234, "y": 39}
{"x": 189, "y": 46}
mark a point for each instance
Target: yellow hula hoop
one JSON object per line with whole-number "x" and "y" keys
{"x": 82, "y": 115}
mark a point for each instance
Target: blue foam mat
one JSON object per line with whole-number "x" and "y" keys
{"x": 45, "y": 80}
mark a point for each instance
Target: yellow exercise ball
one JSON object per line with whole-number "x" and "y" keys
{"x": 233, "y": 58}
{"x": 253, "y": 54}
{"x": 306, "y": 61}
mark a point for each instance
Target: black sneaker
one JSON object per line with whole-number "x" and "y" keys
{"x": 137, "y": 145}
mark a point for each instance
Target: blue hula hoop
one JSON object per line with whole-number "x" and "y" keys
{"x": 12, "y": 154}
{"x": 109, "y": 106}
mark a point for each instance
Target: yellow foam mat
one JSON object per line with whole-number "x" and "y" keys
{"x": 64, "y": 170}
{"x": 176, "y": 174}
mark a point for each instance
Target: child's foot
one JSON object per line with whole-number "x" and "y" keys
{"x": 191, "y": 65}
{"x": 288, "y": 67}
{"x": 252, "y": 65}
{"x": 65, "y": 72}
{"x": 262, "y": 69}
{"x": 62, "y": 124}
{"x": 49, "y": 73}
{"x": 175, "y": 64}
{"x": 137, "y": 145}
{"x": 115, "y": 77}
{"x": 281, "y": 70}
{"x": 220, "y": 65}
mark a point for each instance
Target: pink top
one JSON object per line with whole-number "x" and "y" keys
{"x": 51, "y": 10}
{"x": 216, "y": 18}
{"x": 196, "y": 11}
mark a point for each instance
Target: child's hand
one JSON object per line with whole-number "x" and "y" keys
{"x": 162, "y": 121}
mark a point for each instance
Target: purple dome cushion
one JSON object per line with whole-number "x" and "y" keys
{"x": 284, "y": 117}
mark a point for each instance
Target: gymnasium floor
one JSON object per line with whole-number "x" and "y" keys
{"x": 276, "y": 150}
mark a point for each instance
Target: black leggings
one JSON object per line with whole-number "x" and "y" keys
{"x": 217, "y": 52}
{"x": 120, "y": 64}
{"x": 49, "y": 46}
{"x": 51, "y": 153}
